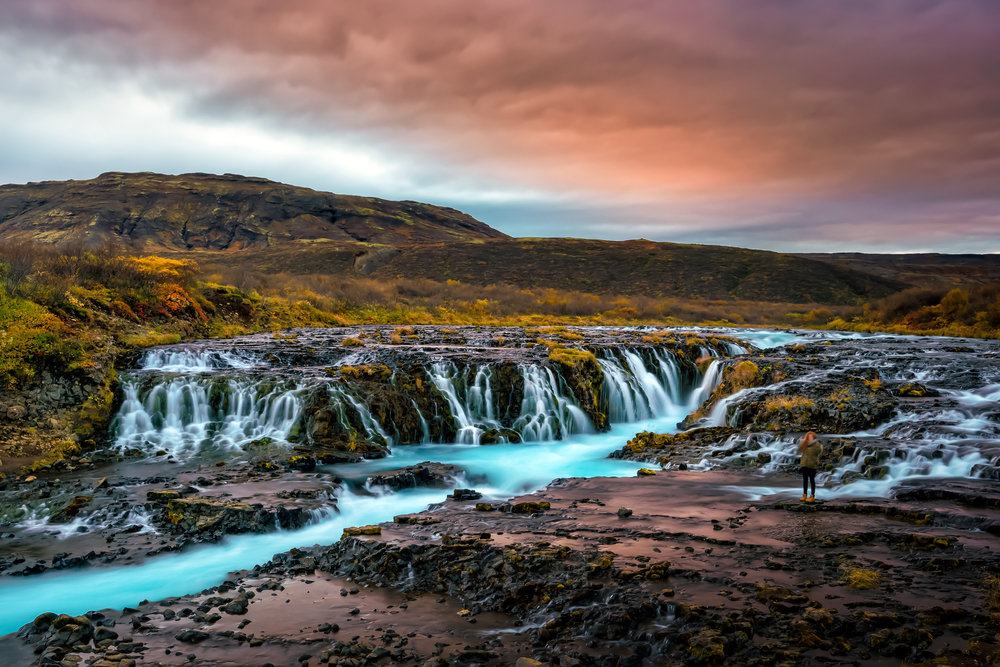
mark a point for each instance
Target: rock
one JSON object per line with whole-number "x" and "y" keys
{"x": 192, "y": 636}
{"x": 354, "y": 531}
{"x": 484, "y": 507}
{"x": 778, "y": 593}
{"x": 301, "y": 463}
{"x": 530, "y": 507}
{"x": 707, "y": 647}
{"x": 71, "y": 510}
{"x": 426, "y": 474}
{"x": 100, "y": 634}
{"x": 162, "y": 496}
{"x": 985, "y": 471}
{"x": 101, "y": 484}
{"x": 209, "y": 519}
{"x": 238, "y": 606}
{"x": 43, "y": 621}
{"x": 527, "y": 662}
{"x": 820, "y": 617}
{"x": 466, "y": 494}
{"x": 624, "y": 512}
{"x": 916, "y": 390}
{"x": 938, "y": 615}
{"x": 16, "y": 412}
{"x": 874, "y": 619}
{"x": 763, "y": 458}
{"x": 645, "y": 472}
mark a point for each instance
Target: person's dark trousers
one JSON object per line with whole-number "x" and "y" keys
{"x": 808, "y": 477}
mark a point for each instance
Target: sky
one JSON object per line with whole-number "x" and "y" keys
{"x": 790, "y": 125}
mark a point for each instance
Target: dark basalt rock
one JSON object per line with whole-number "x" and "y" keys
{"x": 208, "y": 520}
{"x": 434, "y": 475}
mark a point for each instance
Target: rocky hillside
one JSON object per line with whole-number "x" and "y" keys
{"x": 154, "y": 212}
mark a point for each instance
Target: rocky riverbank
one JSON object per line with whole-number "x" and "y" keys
{"x": 668, "y": 568}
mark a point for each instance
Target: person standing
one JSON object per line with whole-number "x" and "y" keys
{"x": 810, "y": 449}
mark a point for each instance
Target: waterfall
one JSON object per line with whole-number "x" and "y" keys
{"x": 472, "y": 407}
{"x": 622, "y": 394}
{"x": 181, "y": 416}
{"x": 709, "y": 382}
{"x": 180, "y": 360}
{"x": 651, "y": 384}
{"x": 548, "y": 411}
{"x": 203, "y": 410}
{"x": 373, "y": 429}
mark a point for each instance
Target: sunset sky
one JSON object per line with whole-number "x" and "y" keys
{"x": 809, "y": 125}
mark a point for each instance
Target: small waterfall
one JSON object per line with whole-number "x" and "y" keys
{"x": 548, "y": 409}
{"x": 651, "y": 383}
{"x": 472, "y": 407}
{"x": 180, "y": 360}
{"x": 547, "y": 412}
{"x": 424, "y": 428}
{"x": 182, "y": 416}
{"x": 653, "y": 389}
{"x": 709, "y": 381}
{"x": 371, "y": 426}
{"x": 622, "y": 394}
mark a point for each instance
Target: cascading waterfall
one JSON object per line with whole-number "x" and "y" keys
{"x": 178, "y": 415}
{"x": 709, "y": 381}
{"x": 187, "y": 361}
{"x": 547, "y": 411}
{"x": 342, "y": 399}
{"x": 638, "y": 385}
{"x": 649, "y": 384}
{"x": 472, "y": 407}
{"x": 182, "y": 415}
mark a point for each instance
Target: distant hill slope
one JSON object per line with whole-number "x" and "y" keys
{"x": 641, "y": 267}
{"x": 585, "y": 265}
{"x": 937, "y": 270}
{"x": 155, "y": 212}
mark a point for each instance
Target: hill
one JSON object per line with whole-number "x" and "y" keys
{"x": 932, "y": 270}
{"x": 154, "y": 212}
{"x": 242, "y": 221}
{"x": 656, "y": 270}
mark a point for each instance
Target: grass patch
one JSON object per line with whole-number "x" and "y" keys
{"x": 991, "y": 592}
{"x": 352, "y": 342}
{"x": 571, "y": 357}
{"x": 151, "y": 339}
{"x": 776, "y": 403}
{"x": 743, "y": 375}
{"x": 855, "y": 576}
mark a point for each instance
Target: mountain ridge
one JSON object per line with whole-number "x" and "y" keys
{"x": 152, "y": 212}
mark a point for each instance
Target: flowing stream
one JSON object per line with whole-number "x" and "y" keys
{"x": 203, "y": 405}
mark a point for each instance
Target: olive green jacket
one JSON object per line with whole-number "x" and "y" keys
{"x": 811, "y": 454}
